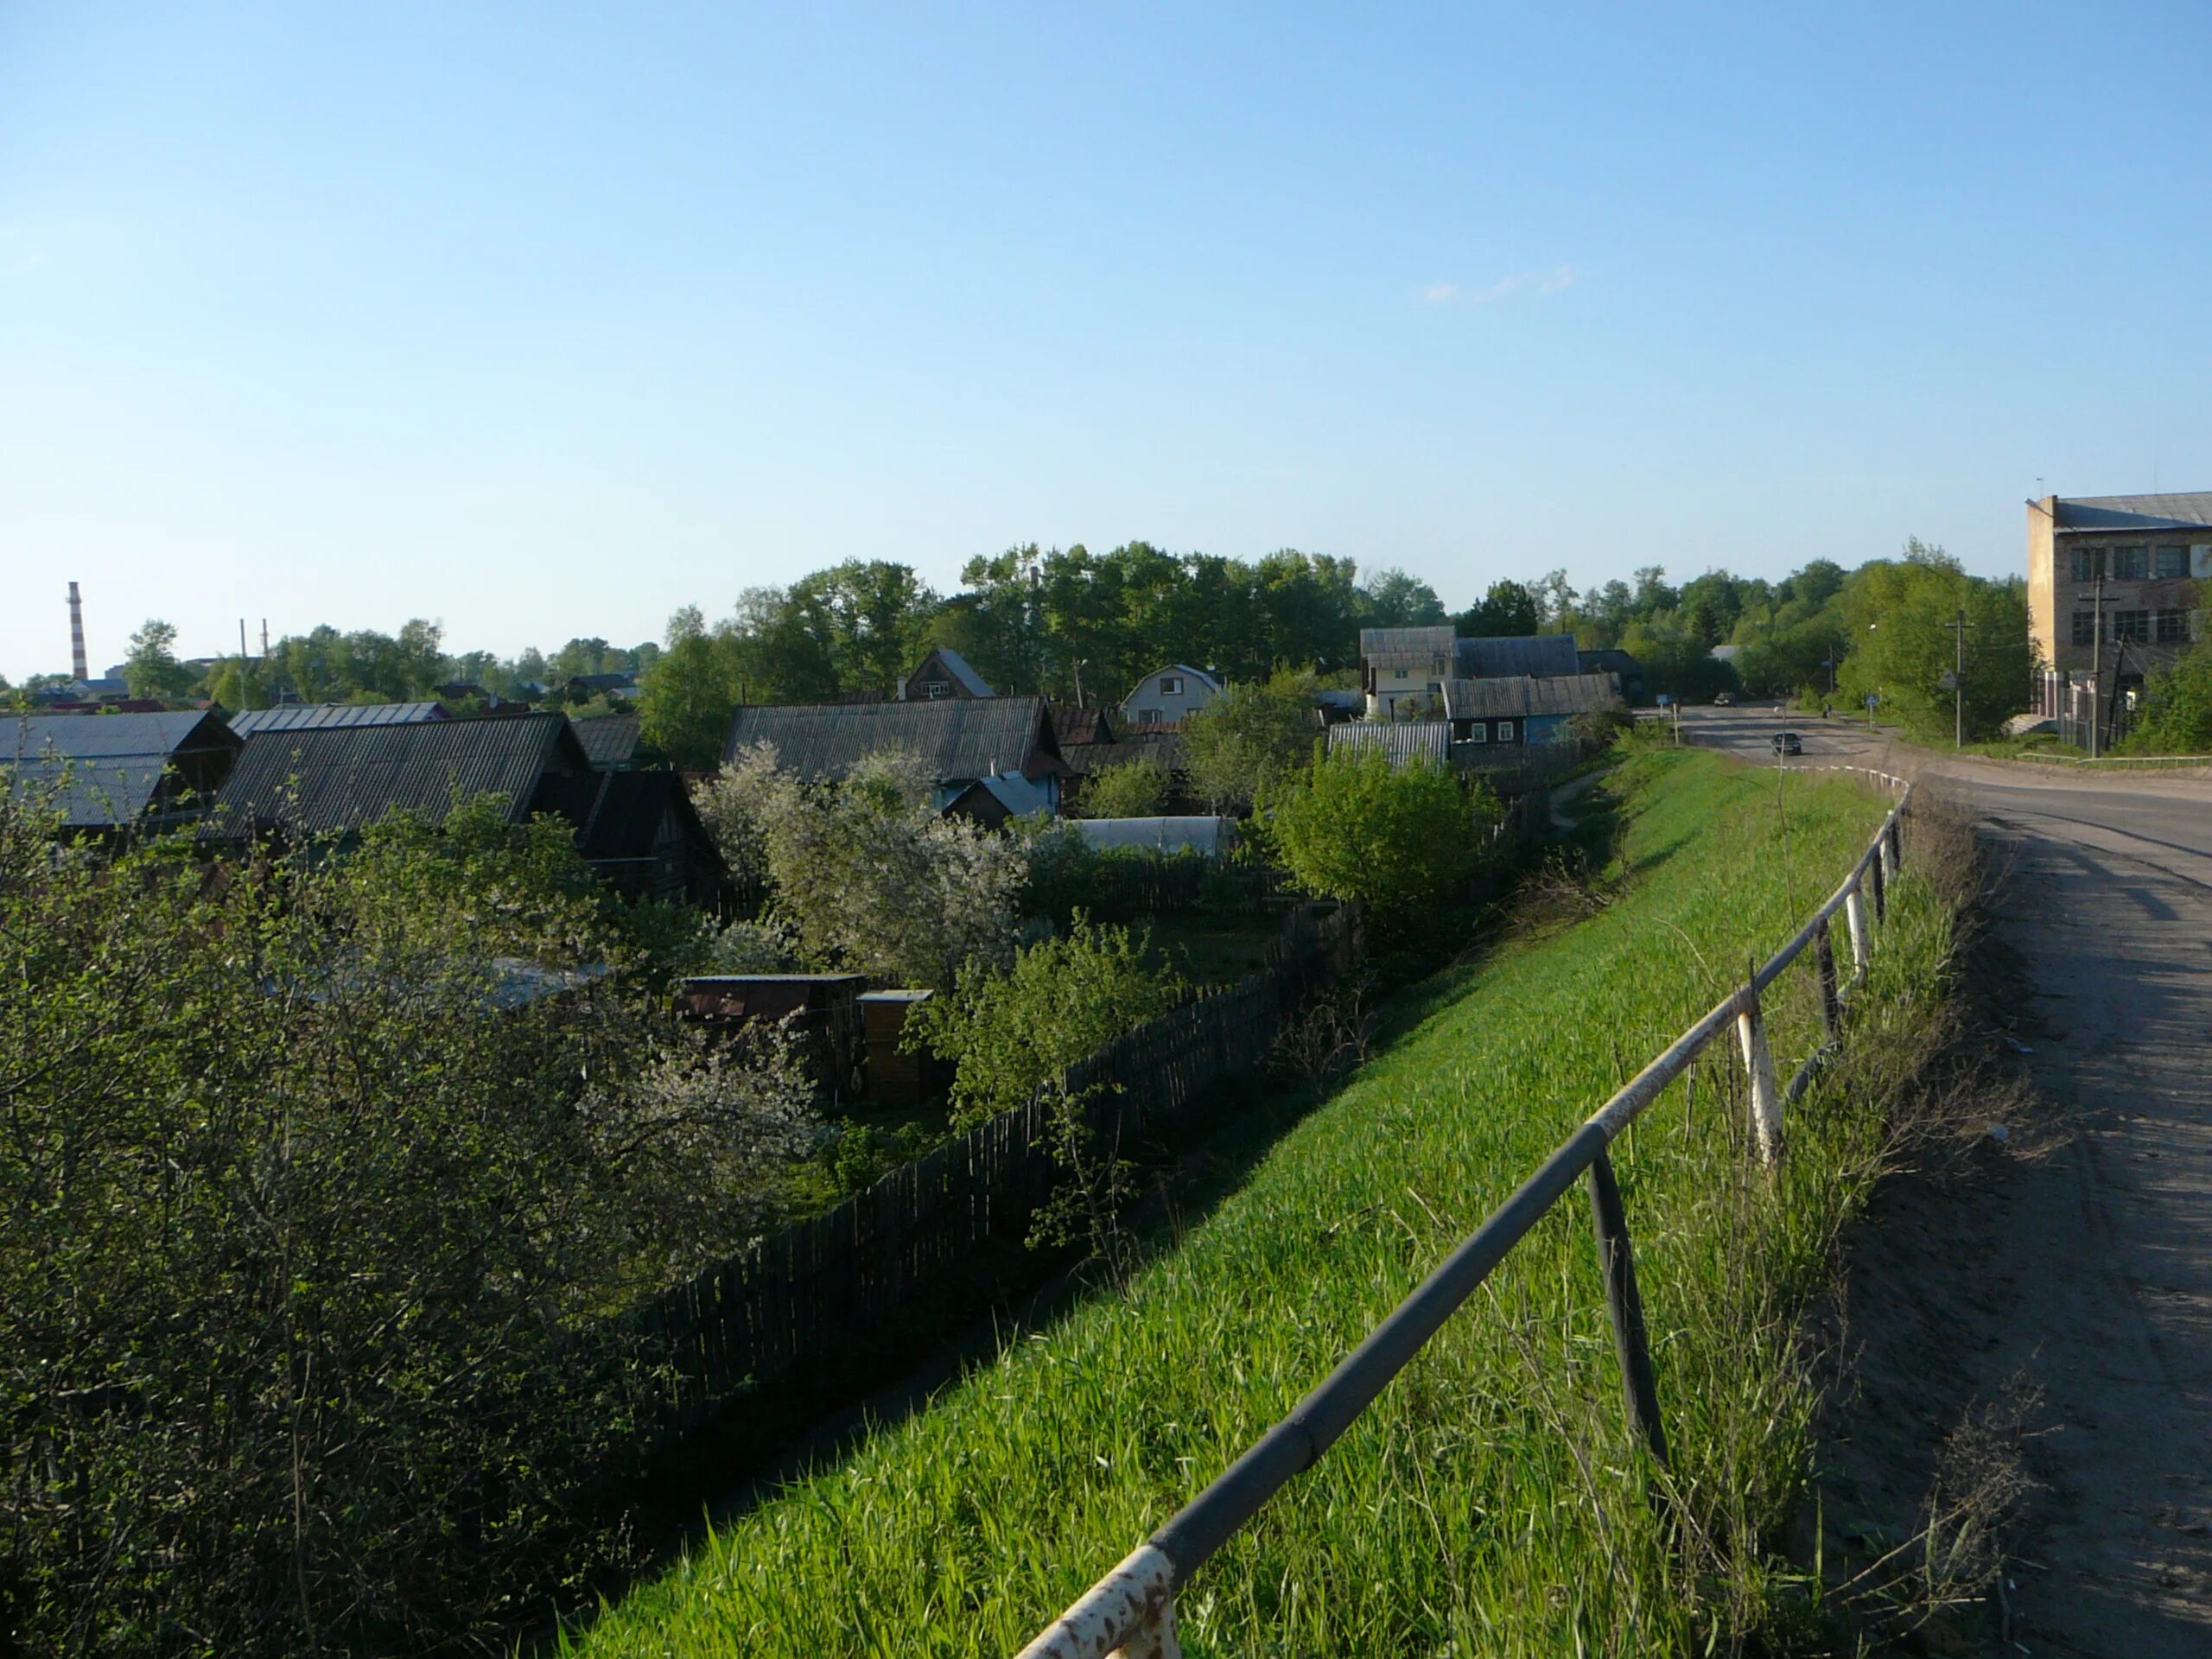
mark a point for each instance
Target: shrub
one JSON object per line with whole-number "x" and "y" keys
{"x": 1353, "y": 826}
{"x": 1254, "y": 734}
{"x": 1065, "y": 998}
{"x": 864, "y": 876}
{"x": 2178, "y": 708}
{"x": 310, "y": 1169}
{"x": 1135, "y": 788}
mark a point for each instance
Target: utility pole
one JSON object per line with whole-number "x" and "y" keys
{"x": 2096, "y": 597}
{"x": 1959, "y": 681}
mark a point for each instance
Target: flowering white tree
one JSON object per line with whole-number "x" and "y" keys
{"x": 864, "y": 874}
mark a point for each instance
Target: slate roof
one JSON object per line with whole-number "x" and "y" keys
{"x": 958, "y": 739}
{"x": 333, "y": 779}
{"x": 956, "y": 666}
{"x": 1075, "y": 723}
{"x": 610, "y": 741}
{"x": 1403, "y": 740}
{"x": 2189, "y": 510}
{"x": 104, "y": 770}
{"x": 618, "y": 814}
{"x": 1518, "y": 699}
{"x": 1533, "y": 653}
{"x": 318, "y": 716}
{"x": 1431, "y": 641}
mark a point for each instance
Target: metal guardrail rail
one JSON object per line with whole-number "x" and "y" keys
{"x": 1131, "y": 1612}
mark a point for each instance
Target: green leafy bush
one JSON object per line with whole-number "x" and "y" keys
{"x": 2176, "y": 716}
{"x": 312, "y": 1170}
{"x": 1135, "y": 788}
{"x": 1065, "y": 998}
{"x": 1396, "y": 838}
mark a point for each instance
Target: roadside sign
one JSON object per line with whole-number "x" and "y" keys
{"x": 1873, "y": 698}
{"x": 1950, "y": 681}
{"x": 1665, "y": 701}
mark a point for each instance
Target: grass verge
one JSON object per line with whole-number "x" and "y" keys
{"x": 1490, "y": 1501}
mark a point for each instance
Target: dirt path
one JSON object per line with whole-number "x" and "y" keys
{"x": 2070, "y": 1265}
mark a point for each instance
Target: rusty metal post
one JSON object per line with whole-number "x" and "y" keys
{"x": 1854, "y": 913}
{"x": 1824, "y": 966}
{"x": 1881, "y": 889}
{"x": 1134, "y": 1606}
{"x": 1632, "y": 1342}
{"x": 1893, "y": 848}
{"x": 1758, "y": 1061}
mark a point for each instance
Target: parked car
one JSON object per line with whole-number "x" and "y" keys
{"x": 1789, "y": 743}
{"x": 1723, "y": 700}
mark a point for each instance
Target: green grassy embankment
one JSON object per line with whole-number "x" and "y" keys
{"x": 1490, "y": 1501}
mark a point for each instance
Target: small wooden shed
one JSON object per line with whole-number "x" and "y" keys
{"x": 827, "y": 1007}
{"x": 896, "y": 1078}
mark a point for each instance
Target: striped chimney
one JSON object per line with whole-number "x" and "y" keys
{"x": 77, "y": 635}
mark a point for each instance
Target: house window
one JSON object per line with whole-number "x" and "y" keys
{"x": 2130, "y": 563}
{"x": 2085, "y": 627}
{"x": 2173, "y": 627}
{"x": 2085, "y": 563}
{"x": 2131, "y": 624}
{"x": 1171, "y": 685}
{"x": 2168, "y": 562}
{"x": 935, "y": 688}
{"x": 1505, "y": 731}
{"x": 1148, "y": 717}
{"x": 1473, "y": 731}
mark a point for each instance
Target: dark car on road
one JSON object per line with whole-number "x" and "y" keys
{"x": 1789, "y": 743}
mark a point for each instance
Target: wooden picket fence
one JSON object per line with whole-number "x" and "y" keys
{"x": 801, "y": 1293}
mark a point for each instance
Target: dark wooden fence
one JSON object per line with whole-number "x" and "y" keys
{"x": 801, "y": 1292}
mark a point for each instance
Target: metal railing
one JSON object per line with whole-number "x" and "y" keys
{"x": 1131, "y": 1612}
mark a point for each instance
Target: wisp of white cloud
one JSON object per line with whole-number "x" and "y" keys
{"x": 1522, "y": 282}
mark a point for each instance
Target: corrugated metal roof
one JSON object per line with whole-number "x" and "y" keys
{"x": 101, "y": 770}
{"x": 318, "y": 716}
{"x": 1073, "y": 724}
{"x": 2188, "y": 510}
{"x": 1510, "y": 699}
{"x": 1433, "y": 641}
{"x": 1403, "y": 740}
{"x": 337, "y": 778}
{"x": 609, "y": 739}
{"x": 958, "y": 739}
{"x": 1516, "y": 654}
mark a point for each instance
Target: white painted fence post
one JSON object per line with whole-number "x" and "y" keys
{"x": 1759, "y": 1061}
{"x": 1135, "y": 1601}
{"x": 1854, "y": 913}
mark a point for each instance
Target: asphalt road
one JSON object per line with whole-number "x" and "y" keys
{"x": 2081, "y": 1271}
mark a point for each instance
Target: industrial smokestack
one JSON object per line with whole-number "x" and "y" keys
{"x": 77, "y": 635}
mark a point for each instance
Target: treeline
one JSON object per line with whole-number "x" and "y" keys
{"x": 1080, "y": 625}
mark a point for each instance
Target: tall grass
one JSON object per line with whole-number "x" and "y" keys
{"x": 1491, "y": 1502}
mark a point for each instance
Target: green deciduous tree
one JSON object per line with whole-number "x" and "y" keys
{"x": 1898, "y": 613}
{"x": 1135, "y": 788}
{"x": 1507, "y": 610}
{"x": 2176, "y": 716}
{"x": 1006, "y": 1032}
{"x": 1253, "y": 734}
{"x": 686, "y": 698}
{"x": 1398, "y": 838}
{"x": 307, "y": 1197}
{"x": 151, "y": 669}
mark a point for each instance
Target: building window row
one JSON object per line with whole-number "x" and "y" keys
{"x": 2164, "y": 627}
{"x": 2136, "y": 563}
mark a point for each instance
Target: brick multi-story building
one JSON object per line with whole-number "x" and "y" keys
{"x": 2154, "y": 553}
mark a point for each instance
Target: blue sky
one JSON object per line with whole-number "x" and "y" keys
{"x": 545, "y": 320}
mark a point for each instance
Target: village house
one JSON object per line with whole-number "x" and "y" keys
{"x": 962, "y": 741}
{"x": 108, "y": 772}
{"x": 1403, "y": 671}
{"x": 943, "y": 673}
{"x": 2148, "y": 558}
{"x": 1525, "y": 711}
{"x": 1164, "y": 696}
{"x": 636, "y": 830}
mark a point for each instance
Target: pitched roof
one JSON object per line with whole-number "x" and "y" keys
{"x": 958, "y": 738}
{"x": 102, "y": 769}
{"x": 1184, "y": 669}
{"x": 1518, "y": 699}
{"x": 318, "y": 716}
{"x": 618, "y": 815}
{"x": 333, "y": 779}
{"x": 1526, "y": 653}
{"x": 609, "y": 739}
{"x": 2190, "y": 510}
{"x": 957, "y": 666}
{"x": 1431, "y": 641}
{"x": 1076, "y": 723}
{"x": 1403, "y": 740}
